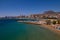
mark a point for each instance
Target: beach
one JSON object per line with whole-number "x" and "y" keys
{"x": 49, "y": 27}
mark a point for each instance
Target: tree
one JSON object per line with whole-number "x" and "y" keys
{"x": 58, "y": 21}
{"x": 54, "y": 22}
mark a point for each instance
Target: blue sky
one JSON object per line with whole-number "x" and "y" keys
{"x": 27, "y": 7}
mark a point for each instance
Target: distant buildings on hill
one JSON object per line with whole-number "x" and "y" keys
{"x": 45, "y": 15}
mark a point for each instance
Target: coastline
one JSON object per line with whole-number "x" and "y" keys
{"x": 49, "y": 27}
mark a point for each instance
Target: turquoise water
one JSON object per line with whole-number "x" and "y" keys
{"x": 22, "y": 31}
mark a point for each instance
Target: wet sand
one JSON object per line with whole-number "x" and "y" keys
{"x": 49, "y": 27}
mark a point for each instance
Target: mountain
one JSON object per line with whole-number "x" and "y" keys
{"x": 46, "y": 14}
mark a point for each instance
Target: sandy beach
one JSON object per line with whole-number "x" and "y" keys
{"x": 49, "y": 27}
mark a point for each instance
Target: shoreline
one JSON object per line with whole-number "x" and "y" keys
{"x": 49, "y": 27}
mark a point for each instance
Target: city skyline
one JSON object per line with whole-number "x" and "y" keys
{"x": 27, "y": 7}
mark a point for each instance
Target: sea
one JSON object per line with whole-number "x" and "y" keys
{"x": 13, "y": 30}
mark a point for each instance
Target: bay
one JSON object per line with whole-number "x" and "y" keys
{"x": 22, "y": 31}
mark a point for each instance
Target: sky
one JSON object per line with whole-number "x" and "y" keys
{"x": 27, "y": 7}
